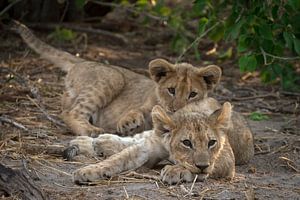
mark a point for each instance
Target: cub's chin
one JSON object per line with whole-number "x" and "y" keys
{"x": 202, "y": 177}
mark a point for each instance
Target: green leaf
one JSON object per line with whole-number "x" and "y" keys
{"x": 227, "y": 54}
{"x": 257, "y": 116}
{"x": 295, "y": 4}
{"x": 165, "y": 11}
{"x": 247, "y": 63}
{"x": 142, "y": 3}
{"x": 63, "y": 34}
{"x": 297, "y": 45}
{"x": 79, "y": 4}
{"x": 288, "y": 37}
{"x": 265, "y": 31}
{"x": 199, "y": 5}
{"x": 217, "y": 33}
{"x": 233, "y": 31}
{"x": 243, "y": 43}
{"x": 202, "y": 25}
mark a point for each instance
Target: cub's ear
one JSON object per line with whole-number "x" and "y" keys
{"x": 160, "y": 68}
{"x": 211, "y": 75}
{"x": 162, "y": 122}
{"x": 222, "y": 117}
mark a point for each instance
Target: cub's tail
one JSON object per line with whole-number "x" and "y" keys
{"x": 60, "y": 58}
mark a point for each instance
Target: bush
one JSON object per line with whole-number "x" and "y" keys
{"x": 266, "y": 33}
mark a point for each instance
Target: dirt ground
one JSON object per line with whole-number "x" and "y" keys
{"x": 30, "y": 92}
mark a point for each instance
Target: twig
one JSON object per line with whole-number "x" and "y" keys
{"x": 196, "y": 41}
{"x": 8, "y": 7}
{"x": 130, "y": 9}
{"x": 264, "y": 53}
{"x": 289, "y": 163}
{"x": 45, "y": 113}
{"x": 35, "y": 93}
{"x": 53, "y": 169}
{"x": 253, "y": 97}
{"x": 141, "y": 176}
{"x": 5, "y": 119}
{"x": 190, "y": 192}
{"x": 127, "y": 196}
{"x": 22, "y": 81}
{"x": 51, "y": 26}
{"x": 290, "y": 93}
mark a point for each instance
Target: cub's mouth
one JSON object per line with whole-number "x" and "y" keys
{"x": 202, "y": 176}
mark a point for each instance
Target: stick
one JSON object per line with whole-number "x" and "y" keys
{"x": 8, "y": 7}
{"x": 253, "y": 97}
{"x": 41, "y": 107}
{"x": 196, "y": 41}
{"x": 35, "y": 93}
{"x": 52, "y": 26}
{"x": 5, "y": 119}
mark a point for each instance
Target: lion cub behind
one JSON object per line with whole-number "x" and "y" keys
{"x": 196, "y": 142}
{"x": 102, "y": 98}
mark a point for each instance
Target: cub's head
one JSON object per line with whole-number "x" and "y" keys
{"x": 181, "y": 84}
{"x": 193, "y": 139}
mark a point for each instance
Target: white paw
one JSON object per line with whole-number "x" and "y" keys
{"x": 106, "y": 146}
{"x": 173, "y": 174}
{"x": 92, "y": 173}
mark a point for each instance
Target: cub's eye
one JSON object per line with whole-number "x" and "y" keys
{"x": 212, "y": 143}
{"x": 192, "y": 95}
{"x": 171, "y": 91}
{"x": 187, "y": 143}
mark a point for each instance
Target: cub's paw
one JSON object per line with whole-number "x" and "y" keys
{"x": 106, "y": 145}
{"x": 93, "y": 131}
{"x": 173, "y": 174}
{"x": 92, "y": 173}
{"x": 131, "y": 123}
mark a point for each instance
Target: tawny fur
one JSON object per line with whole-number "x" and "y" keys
{"x": 195, "y": 141}
{"x": 239, "y": 136}
{"x": 104, "y": 98}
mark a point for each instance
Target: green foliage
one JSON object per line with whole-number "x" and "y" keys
{"x": 80, "y": 3}
{"x": 257, "y": 116}
{"x": 266, "y": 33}
{"x": 63, "y": 34}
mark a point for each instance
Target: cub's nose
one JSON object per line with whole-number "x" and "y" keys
{"x": 201, "y": 166}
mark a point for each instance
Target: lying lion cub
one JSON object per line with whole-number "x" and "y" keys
{"x": 194, "y": 139}
{"x": 239, "y": 135}
{"x": 102, "y": 98}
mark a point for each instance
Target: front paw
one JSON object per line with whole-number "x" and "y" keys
{"x": 92, "y": 173}
{"x": 131, "y": 123}
{"x": 173, "y": 174}
{"x": 106, "y": 145}
{"x": 93, "y": 131}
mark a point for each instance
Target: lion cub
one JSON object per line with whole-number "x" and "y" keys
{"x": 194, "y": 139}
{"x": 105, "y": 98}
{"x": 239, "y": 136}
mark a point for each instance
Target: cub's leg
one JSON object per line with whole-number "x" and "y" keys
{"x": 130, "y": 158}
{"x": 135, "y": 121}
{"x": 80, "y": 145}
{"x": 104, "y": 145}
{"x": 173, "y": 174}
{"x": 82, "y": 107}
